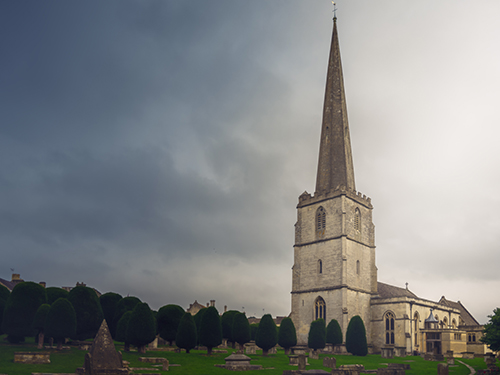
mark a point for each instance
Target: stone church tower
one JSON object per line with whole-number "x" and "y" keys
{"x": 334, "y": 272}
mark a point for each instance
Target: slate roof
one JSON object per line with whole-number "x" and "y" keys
{"x": 464, "y": 313}
{"x": 390, "y": 291}
{"x": 8, "y": 284}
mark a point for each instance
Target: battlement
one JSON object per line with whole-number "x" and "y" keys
{"x": 306, "y": 199}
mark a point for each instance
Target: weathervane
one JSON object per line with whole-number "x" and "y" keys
{"x": 334, "y": 10}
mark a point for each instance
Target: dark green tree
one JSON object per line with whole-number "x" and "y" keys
{"x": 491, "y": 331}
{"x": 241, "y": 330}
{"x": 355, "y": 339}
{"x": 267, "y": 335}
{"x": 168, "y": 319}
{"x": 39, "y": 322}
{"x": 54, "y": 293}
{"x": 61, "y": 321}
{"x": 211, "y": 329}
{"x": 124, "y": 305}
{"x": 20, "y": 309}
{"x": 88, "y": 311}
{"x": 226, "y": 321}
{"x": 187, "y": 336}
{"x": 334, "y": 333}
{"x": 121, "y": 330}
{"x": 109, "y": 303}
{"x": 287, "y": 336}
{"x": 141, "y": 328}
{"x": 197, "y": 320}
{"x": 317, "y": 335}
{"x": 253, "y": 330}
{"x": 4, "y": 293}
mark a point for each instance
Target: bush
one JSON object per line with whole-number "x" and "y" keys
{"x": 197, "y": 320}
{"x": 141, "y": 329}
{"x": 88, "y": 311}
{"x": 168, "y": 318}
{"x": 253, "y": 330}
{"x": 109, "y": 303}
{"x": 355, "y": 339}
{"x": 334, "y": 333}
{"x": 61, "y": 321}
{"x": 53, "y": 294}
{"x": 211, "y": 329}
{"x": 20, "y": 309}
{"x": 241, "y": 329}
{"x": 124, "y": 305}
{"x": 317, "y": 335}
{"x": 227, "y": 325}
{"x": 4, "y": 293}
{"x": 492, "y": 331}
{"x": 121, "y": 330}
{"x": 39, "y": 322}
{"x": 267, "y": 335}
{"x": 287, "y": 336}
{"x": 187, "y": 336}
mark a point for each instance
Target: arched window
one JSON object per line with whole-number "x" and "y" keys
{"x": 320, "y": 308}
{"x": 357, "y": 220}
{"x": 445, "y": 322}
{"x": 320, "y": 222}
{"x": 358, "y": 266}
{"x": 389, "y": 328}
{"x": 320, "y": 266}
{"x": 416, "y": 318}
{"x": 454, "y": 324}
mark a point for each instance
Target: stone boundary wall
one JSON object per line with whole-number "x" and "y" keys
{"x": 32, "y": 357}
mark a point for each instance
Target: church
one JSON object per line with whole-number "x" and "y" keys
{"x": 334, "y": 275}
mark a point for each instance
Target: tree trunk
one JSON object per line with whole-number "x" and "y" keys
{"x": 126, "y": 347}
{"x": 142, "y": 349}
{"x": 209, "y": 351}
{"x": 287, "y": 351}
{"x": 41, "y": 337}
{"x": 264, "y": 352}
{"x": 59, "y": 344}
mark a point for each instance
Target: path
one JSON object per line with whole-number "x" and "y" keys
{"x": 472, "y": 371}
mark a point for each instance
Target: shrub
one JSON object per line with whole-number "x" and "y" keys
{"x": 141, "y": 328}
{"x": 39, "y": 322}
{"x": 227, "y": 325}
{"x": 211, "y": 329}
{"x": 168, "y": 318}
{"x": 197, "y": 320}
{"x": 355, "y": 339}
{"x": 124, "y": 305}
{"x": 287, "y": 336}
{"x": 187, "y": 336}
{"x": 241, "y": 330}
{"x": 109, "y": 302}
{"x": 334, "y": 333}
{"x": 266, "y": 336}
{"x": 20, "y": 309}
{"x": 54, "y": 293}
{"x": 492, "y": 331}
{"x": 317, "y": 335}
{"x": 88, "y": 311}
{"x": 121, "y": 330}
{"x": 4, "y": 293}
{"x": 61, "y": 321}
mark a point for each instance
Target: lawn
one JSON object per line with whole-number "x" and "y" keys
{"x": 197, "y": 362}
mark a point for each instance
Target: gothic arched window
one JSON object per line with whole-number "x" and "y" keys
{"x": 320, "y": 308}
{"x": 320, "y": 266}
{"x": 320, "y": 222}
{"x": 357, "y": 220}
{"x": 389, "y": 328}
{"x": 416, "y": 318}
{"x": 358, "y": 266}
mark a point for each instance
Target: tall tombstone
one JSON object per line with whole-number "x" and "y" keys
{"x": 442, "y": 369}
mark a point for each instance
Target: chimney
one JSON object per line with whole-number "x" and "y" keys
{"x": 43, "y": 283}
{"x": 212, "y": 303}
{"x": 16, "y": 278}
{"x": 225, "y": 308}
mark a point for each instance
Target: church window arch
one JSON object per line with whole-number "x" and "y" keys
{"x": 320, "y": 266}
{"x": 416, "y": 318}
{"x": 320, "y": 221}
{"x": 389, "y": 319}
{"x": 358, "y": 266}
{"x": 445, "y": 322}
{"x": 357, "y": 220}
{"x": 320, "y": 308}
{"x": 454, "y": 324}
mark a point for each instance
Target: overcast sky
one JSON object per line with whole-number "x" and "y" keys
{"x": 158, "y": 148}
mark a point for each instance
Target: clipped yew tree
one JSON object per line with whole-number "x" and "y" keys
{"x": 287, "y": 336}
{"x": 109, "y": 302}
{"x": 54, "y": 293}
{"x": 226, "y": 321}
{"x": 88, "y": 311}
{"x": 187, "y": 335}
{"x": 39, "y": 322}
{"x": 124, "y": 305}
{"x": 317, "y": 335}
{"x": 121, "y": 330}
{"x": 141, "y": 328}
{"x": 61, "y": 321}
{"x": 20, "y": 309}
{"x": 355, "y": 339}
{"x": 211, "y": 329}
{"x": 168, "y": 319}
{"x": 197, "y": 320}
{"x": 241, "y": 330}
{"x": 334, "y": 333}
{"x": 267, "y": 334}
{"x": 4, "y": 293}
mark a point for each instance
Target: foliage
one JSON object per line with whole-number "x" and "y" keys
{"x": 122, "y": 326}
{"x": 227, "y": 324}
{"x": 168, "y": 319}
{"x": 88, "y": 311}
{"x": 317, "y": 334}
{"x": 241, "y": 329}
{"x": 491, "y": 331}
{"x": 266, "y": 336}
{"x": 197, "y": 320}
{"x": 355, "y": 339}
{"x": 253, "y": 330}
{"x": 287, "y": 336}
{"x": 334, "y": 333}
{"x": 109, "y": 303}
{"x": 61, "y": 320}
{"x": 54, "y": 293}
{"x": 141, "y": 329}
{"x": 211, "y": 329}
{"x": 124, "y": 305}
{"x": 20, "y": 309}
{"x": 40, "y": 317}
{"x": 187, "y": 336}
{"x": 4, "y": 293}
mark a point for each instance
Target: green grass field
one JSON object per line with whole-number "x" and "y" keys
{"x": 197, "y": 362}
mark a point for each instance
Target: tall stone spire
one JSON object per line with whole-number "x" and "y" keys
{"x": 335, "y": 166}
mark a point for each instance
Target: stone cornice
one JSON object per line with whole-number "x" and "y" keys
{"x": 334, "y": 238}
{"x": 326, "y": 289}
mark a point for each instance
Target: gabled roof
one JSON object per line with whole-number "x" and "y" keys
{"x": 8, "y": 284}
{"x": 466, "y": 316}
{"x": 390, "y": 291}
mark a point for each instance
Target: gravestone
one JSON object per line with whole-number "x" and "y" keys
{"x": 302, "y": 362}
{"x": 330, "y": 362}
{"x": 442, "y": 369}
{"x": 387, "y": 352}
{"x": 314, "y": 354}
{"x": 251, "y": 348}
{"x": 102, "y": 357}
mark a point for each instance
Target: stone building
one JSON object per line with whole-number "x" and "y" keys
{"x": 334, "y": 275}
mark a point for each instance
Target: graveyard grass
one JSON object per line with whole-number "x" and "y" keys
{"x": 197, "y": 362}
